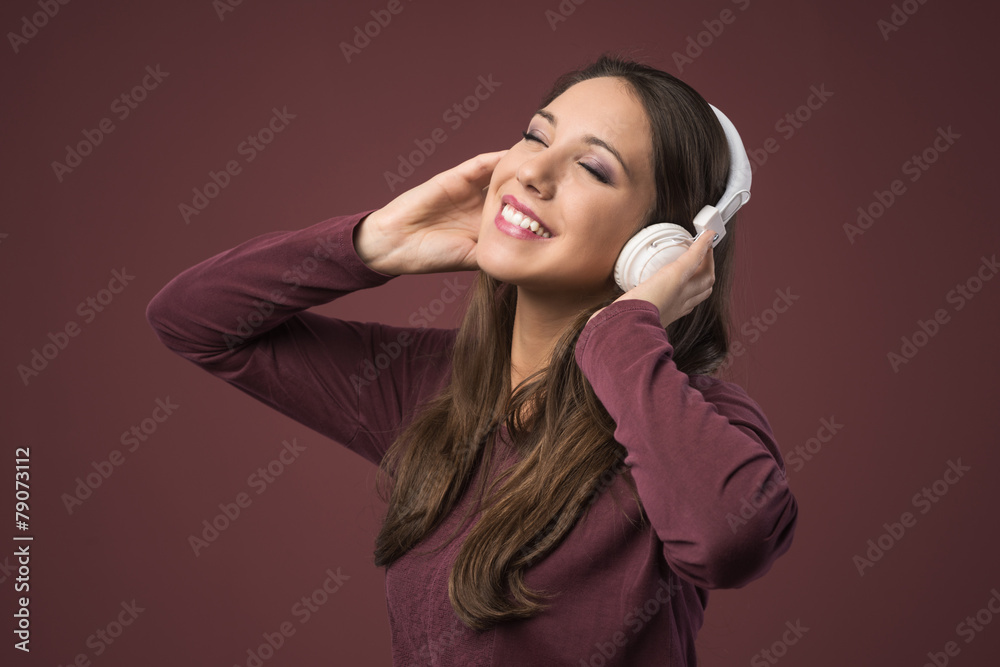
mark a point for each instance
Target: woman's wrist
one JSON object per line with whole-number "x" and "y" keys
{"x": 365, "y": 239}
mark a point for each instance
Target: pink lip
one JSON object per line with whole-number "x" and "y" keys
{"x": 514, "y": 230}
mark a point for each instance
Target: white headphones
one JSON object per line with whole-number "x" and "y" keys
{"x": 655, "y": 246}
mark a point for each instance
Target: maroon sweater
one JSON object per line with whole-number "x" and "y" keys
{"x": 701, "y": 452}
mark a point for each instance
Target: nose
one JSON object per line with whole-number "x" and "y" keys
{"x": 539, "y": 174}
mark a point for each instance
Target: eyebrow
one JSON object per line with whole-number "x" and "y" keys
{"x": 589, "y": 139}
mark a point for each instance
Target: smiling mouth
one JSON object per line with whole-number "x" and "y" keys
{"x": 515, "y": 217}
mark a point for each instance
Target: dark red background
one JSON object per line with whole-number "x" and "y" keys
{"x": 826, "y": 357}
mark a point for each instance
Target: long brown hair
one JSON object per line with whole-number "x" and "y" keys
{"x": 566, "y": 452}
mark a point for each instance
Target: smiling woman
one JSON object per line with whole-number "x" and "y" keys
{"x": 558, "y": 469}
{"x": 584, "y": 172}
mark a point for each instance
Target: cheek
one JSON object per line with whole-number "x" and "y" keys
{"x": 504, "y": 171}
{"x": 608, "y": 229}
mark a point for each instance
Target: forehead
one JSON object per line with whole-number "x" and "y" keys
{"x": 607, "y": 108}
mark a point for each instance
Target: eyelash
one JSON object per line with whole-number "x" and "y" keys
{"x": 596, "y": 174}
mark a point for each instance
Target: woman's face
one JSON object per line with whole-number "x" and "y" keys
{"x": 584, "y": 173}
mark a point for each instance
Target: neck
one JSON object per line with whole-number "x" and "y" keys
{"x": 540, "y": 320}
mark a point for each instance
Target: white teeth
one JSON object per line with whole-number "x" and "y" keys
{"x": 515, "y": 217}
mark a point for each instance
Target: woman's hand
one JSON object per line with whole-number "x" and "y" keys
{"x": 433, "y": 227}
{"x": 679, "y": 286}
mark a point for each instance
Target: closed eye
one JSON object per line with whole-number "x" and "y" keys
{"x": 528, "y": 136}
{"x": 531, "y": 137}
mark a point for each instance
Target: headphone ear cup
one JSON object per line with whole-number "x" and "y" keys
{"x": 651, "y": 249}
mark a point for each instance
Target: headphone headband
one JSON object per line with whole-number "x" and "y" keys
{"x": 659, "y": 244}
{"x": 738, "y": 185}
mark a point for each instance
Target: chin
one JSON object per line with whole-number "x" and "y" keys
{"x": 499, "y": 269}
{"x": 495, "y": 270}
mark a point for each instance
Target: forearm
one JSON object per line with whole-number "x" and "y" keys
{"x": 210, "y": 312}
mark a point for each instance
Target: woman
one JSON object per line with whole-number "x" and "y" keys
{"x": 565, "y": 479}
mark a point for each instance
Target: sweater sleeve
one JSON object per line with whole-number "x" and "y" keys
{"x": 241, "y": 316}
{"x": 702, "y": 454}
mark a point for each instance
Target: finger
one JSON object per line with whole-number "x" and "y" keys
{"x": 695, "y": 300}
{"x": 694, "y": 256}
{"x": 707, "y": 259}
{"x": 479, "y": 169}
{"x": 706, "y": 238}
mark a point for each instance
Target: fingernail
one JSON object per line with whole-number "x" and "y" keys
{"x": 716, "y": 238}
